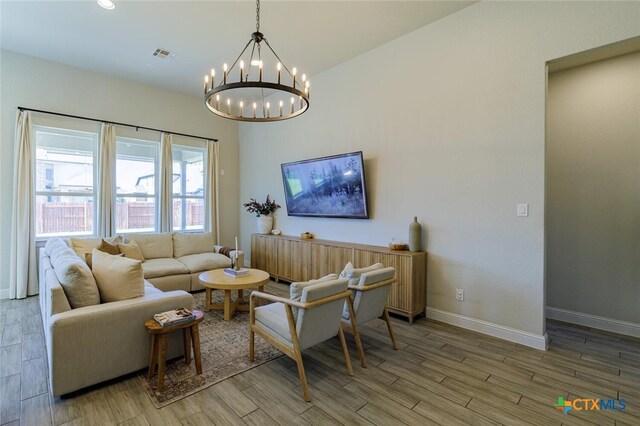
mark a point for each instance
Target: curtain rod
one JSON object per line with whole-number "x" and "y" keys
{"x": 114, "y": 122}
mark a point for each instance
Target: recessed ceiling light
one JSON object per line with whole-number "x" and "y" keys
{"x": 107, "y": 4}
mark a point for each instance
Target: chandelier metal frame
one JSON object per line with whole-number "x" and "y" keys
{"x": 221, "y": 106}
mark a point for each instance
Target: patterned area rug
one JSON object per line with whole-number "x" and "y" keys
{"x": 224, "y": 346}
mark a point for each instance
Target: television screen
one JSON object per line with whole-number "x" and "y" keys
{"x": 326, "y": 187}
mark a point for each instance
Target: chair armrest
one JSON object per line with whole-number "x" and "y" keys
{"x": 297, "y": 304}
{"x": 274, "y": 298}
{"x": 371, "y": 286}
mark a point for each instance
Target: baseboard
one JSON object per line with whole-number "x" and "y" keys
{"x": 525, "y": 338}
{"x": 4, "y": 294}
{"x": 601, "y": 323}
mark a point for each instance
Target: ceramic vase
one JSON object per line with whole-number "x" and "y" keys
{"x": 415, "y": 235}
{"x": 265, "y": 224}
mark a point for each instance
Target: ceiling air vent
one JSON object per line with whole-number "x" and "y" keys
{"x": 163, "y": 54}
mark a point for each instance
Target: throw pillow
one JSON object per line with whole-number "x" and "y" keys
{"x": 131, "y": 251}
{"x": 354, "y": 273}
{"x": 75, "y": 278}
{"x": 86, "y": 245}
{"x": 295, "y": 289}
{"x": 88, "y": 258}
{"x": 108, "y": 247}
{"x": 118, "y": 278}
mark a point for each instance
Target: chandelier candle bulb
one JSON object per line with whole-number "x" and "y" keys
{"x": 241, "y": 70}
{"x": 300, "y": 101}
{"x": 279, "y": 66}
{"x": 229, "y": 105}
{"x": 268, "y": 105}
{"x": 218, "y": 102}
{"x": 260, "y": 70}
{"x": 225, "y": 74}
{"x": 206, "y": 83}
{"x": 294, "y": 78}
{"x": 281, "y": 103}
{"x": 213, "y": 78}
{"x": 292, "y": 104}
{"x": 241, "y": 108}
{"x": 254, "y": 110}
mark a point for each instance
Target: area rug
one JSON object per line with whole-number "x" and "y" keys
{"x": 224, "y": 346}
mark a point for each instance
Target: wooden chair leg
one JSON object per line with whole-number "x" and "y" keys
{"x": 298, "y": 354}
{"x": 356, "y": 333}
{"x": 345, "y": 351}
{"x": 385, "y": 316}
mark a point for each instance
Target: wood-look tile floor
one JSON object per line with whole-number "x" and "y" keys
{"x": 440, "y": 375}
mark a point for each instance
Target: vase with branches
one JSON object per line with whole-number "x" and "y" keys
{"x": 263, "y": 213}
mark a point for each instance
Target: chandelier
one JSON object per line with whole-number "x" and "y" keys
{"x": 260, "y": 89}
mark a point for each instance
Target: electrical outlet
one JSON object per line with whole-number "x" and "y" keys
{"x": 459, "y": 294}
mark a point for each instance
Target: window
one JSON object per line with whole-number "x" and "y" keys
{"x": 188, "y": 188}
{"x": 136, "y": 185}
{"x": 65, "y": 176}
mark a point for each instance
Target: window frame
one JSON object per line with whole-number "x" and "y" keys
{"x": 156, "y": 196}
{"x": 94, "y": 190}
{"x": 183, "y": 187}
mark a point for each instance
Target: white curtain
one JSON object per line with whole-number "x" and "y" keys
{"x": 211, "y": 217}
{"x": 106, "y": 185}
{"x": 23, "y": 280}
{"x": 166, "y": 183}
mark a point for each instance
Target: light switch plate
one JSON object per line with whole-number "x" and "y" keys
{"x": 522, "y": 210}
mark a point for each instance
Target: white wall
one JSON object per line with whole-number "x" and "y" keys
{"x": 451, "y": 119}
{"x": 30, "y": 82}
{"x": 593, "y": 189}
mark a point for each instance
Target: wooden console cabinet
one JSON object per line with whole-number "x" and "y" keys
{"x": 294, "y": 259}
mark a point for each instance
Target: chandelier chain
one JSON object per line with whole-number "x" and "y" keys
{"x": 257, "y": 15}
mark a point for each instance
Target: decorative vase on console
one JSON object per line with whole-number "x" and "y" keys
{"x": 265, "y": 224}
{"x": 263, "y": 213}
{"x": 415, "y": 235}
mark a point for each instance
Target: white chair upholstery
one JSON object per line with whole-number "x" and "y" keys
{"x": 318, "y": 318}
{"x": 370, "y": 292}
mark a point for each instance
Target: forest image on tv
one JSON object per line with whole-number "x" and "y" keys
{"x": 326, "y": 187}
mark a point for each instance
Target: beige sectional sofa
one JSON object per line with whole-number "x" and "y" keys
{"x": 100, "y": 341}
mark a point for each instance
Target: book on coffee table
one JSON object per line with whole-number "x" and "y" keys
{"x": 236, "y": 273}
{"x": 174, "y": 317}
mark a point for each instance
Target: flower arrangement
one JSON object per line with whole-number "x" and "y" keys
{"x": 269, "y": 206}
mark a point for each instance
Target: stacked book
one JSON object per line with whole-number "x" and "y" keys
{"x": 236, "y": 272}
{"x": 174, "y": 317}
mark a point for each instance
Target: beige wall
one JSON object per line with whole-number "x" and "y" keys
{"x": 451, "y": 120}
{"x": 35, "y": 83}
{"x": 593, "y": 189}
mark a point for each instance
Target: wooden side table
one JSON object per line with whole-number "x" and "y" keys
{"x": 190, "y": 336}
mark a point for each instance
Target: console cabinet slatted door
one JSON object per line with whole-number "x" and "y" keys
{"x": 293, "y": 259}
{"x": 264, "y": 254}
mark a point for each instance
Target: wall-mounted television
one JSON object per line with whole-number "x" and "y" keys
{"x": 326, "y": 187}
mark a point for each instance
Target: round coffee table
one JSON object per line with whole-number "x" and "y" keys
{"x": 218, "y": 280}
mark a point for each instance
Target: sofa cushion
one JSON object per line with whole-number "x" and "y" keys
{"x": 53, "y": 245}
{"x": 86, "y": 245}
{"x": 149, "y": 289}
{"x": 131, "y": 251}
{"x": 154, "y": 246}
{"x": 75, "y": 277}
{"x": 205, "y": 262}
{"x": 189, "y": 243}
{"x": 118, "y": 278}
{"x": 162, "y": 267}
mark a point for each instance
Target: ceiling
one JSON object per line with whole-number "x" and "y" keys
{"x": 312, "y": 35}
